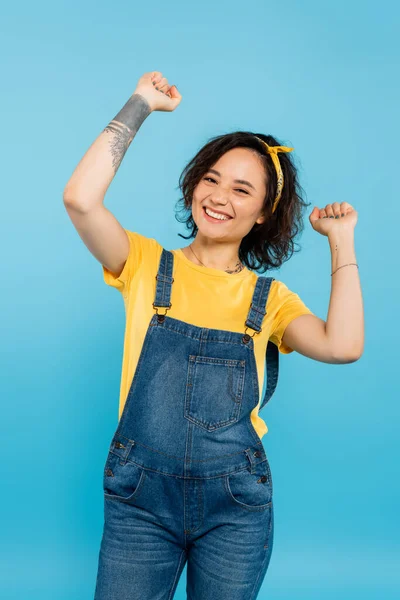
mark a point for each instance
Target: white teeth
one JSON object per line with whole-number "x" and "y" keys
{"x": 216, "y": 215}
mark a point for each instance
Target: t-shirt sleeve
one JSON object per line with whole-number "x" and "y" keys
{"x": 138, "y": 247}
{"x": 287, "y": 306}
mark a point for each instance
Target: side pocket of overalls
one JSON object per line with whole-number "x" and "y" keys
{"x": 122, "y": 481}
{"x": 250, "y": 490}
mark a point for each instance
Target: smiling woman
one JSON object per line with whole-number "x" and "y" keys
{"x": 187, "y": 477}
{"x": 236, "y": 175}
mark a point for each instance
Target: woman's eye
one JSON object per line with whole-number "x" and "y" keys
{"x": 239, "y": 189}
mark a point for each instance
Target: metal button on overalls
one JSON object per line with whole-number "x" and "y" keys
{"x": 183, "y": 472}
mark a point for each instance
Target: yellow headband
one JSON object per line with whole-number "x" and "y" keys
{"x": 273, "y": 152}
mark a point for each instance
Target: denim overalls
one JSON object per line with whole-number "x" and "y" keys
{"x": 187, "y": 478}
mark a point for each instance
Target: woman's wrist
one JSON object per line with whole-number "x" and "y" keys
{"x": 133, "y": 113}
{"x": 342, "y": 249}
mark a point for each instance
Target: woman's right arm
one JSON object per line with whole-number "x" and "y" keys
{"x": 84, "y": 193}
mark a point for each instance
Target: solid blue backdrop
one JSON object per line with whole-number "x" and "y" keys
{"x": 321, "y": 77}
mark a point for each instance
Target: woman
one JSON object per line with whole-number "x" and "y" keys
{"x": 187, "y": 478}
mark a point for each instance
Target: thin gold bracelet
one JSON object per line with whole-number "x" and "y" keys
{"x": 344, "y": 266}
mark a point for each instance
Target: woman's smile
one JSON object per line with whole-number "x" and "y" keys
{"x": 221, "y": 219}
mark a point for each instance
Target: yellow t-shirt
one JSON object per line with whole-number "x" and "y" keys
{"x": 201, "y": 296}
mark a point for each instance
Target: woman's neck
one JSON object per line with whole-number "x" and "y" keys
{"x": 215, "y": 259}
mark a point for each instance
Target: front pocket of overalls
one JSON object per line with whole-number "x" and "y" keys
{"x": 214, "y": 390}
{"x": 250, "y": 491}
{"x": 122, "y": 481}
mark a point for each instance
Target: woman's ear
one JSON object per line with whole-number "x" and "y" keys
{"x": 261, "y": 219}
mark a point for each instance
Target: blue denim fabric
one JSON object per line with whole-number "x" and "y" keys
{"x": 187, "y": 478}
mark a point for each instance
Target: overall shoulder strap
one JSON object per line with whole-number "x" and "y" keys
{"x": 162, "y": 296}
{"x": 272, "y": 360}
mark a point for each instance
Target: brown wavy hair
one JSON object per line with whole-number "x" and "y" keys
{"x": 267, "y": 245}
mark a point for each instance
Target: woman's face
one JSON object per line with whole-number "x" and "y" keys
{"x": 235, "y": 185}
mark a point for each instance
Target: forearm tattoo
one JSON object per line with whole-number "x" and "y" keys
{"x": 125, "y": 125}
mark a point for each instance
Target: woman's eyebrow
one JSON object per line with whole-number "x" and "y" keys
{"x": 236, "y": 180}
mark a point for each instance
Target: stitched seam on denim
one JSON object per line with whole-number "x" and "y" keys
{"x": 185, "y": 527}
{"x": 170, "y": 595}
{"x": 200, "y": 508}
{"x": 183, "y": 459}
{"x": 190, "y": 476}
{"x": 185, "y": 486}
{"x": 170, "y": 328}
{"x": 200, "y": 501}
{"x": 216, "y": 360}
{"x": 262, "y": 570}
{"x": 188, "y": 448}
{"x": 188, "y": 392}
{"x": 261, "y": 311}
{"x": 267, "y": 541}
{"x": 211, "y": 427}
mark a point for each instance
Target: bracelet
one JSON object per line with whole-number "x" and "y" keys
{"x": 344, "y": 266}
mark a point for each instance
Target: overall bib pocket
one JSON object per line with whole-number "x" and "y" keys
{"x": 214, "y": 390}
{"x": 122, "y": 481}
{"x": 250, "y": 491}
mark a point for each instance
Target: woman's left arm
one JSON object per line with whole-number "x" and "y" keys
{"x": 341, "y": 338}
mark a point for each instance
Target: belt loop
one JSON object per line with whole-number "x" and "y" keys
{"x": 123, "y": 445}
{"x": 249, "y": 454}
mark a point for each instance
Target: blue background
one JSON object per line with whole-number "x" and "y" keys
{"x": 322, "y": 77}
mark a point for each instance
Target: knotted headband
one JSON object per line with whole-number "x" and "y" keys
{"x": 273, "y": 152}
